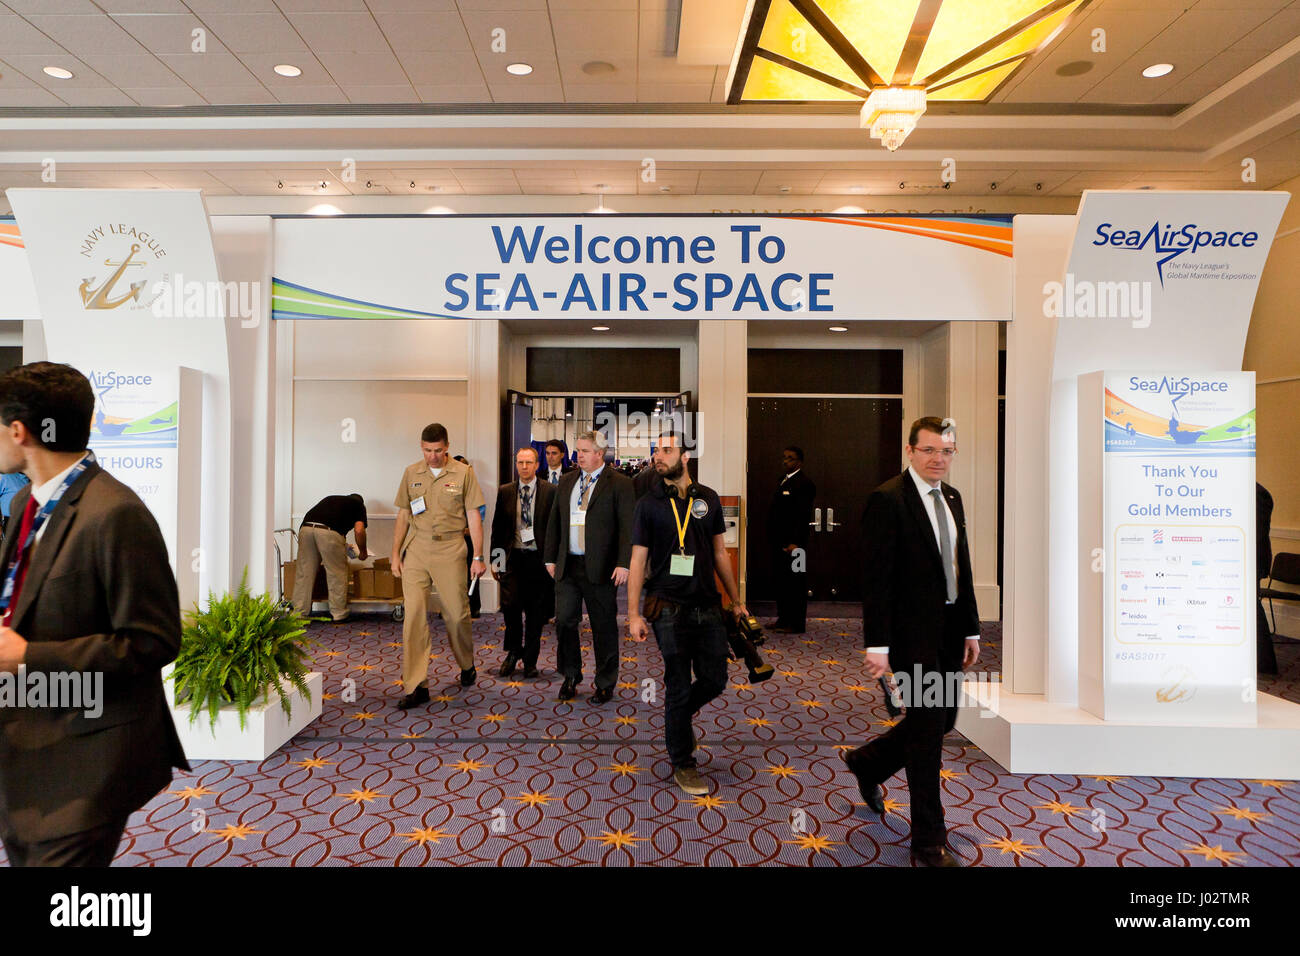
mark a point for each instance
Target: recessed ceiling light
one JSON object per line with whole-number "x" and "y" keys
{"x": 519, "y": 69}
{"x": 287, "y": 69}
{"x": 1158, "y": 69}
{"x": 600, "y": 328}
{"x": 598, "y": 68}
{"x": 58, "y": 72}
{"x": 839, "y": 328}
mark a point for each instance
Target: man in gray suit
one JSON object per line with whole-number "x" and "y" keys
{"x": 88, "y": 600}
{"x": 588, "y": 552}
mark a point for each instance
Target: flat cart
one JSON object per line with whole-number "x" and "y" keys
{"x": 394, "y": 606}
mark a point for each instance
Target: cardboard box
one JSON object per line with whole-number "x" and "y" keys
{"x": 320, "y": 589}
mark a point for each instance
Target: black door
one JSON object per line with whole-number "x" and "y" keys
{"x": 850, "y": 446}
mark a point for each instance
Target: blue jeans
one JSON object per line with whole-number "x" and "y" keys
{"x": 689, "y": 637}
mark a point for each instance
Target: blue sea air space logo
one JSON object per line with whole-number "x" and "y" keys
{"x": 1168, "y": 242}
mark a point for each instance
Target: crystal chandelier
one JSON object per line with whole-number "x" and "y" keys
{"x": 891, "y": 113}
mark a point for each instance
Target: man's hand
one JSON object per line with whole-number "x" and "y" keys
{"x": 550, "y": 569}
{"x": 637, "y": 626}
{"x": 396, "y": 562}
{"x": 971, "y": 654}
{"x": 877, "y": 664}
{"x": 364, "y": 554}
{"x": 620, "y": 577}
{"x": 739, "y": 610}
{"x": 13, "y": 648}
{"x": 478, "y": 568}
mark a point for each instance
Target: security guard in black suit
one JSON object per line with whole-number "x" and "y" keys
{"x": 788, "y": 522}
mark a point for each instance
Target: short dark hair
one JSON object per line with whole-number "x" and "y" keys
{"x": 798, "y": 452}
{"x": 358, "y": 497}
{"x": 558, "y": 444}
{"x": 434, "y": 432}
{"x": 931, "y": 424}
{"x": 50, "y": 399}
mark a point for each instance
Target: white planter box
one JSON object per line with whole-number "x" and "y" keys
{"x": 266, "y": 726}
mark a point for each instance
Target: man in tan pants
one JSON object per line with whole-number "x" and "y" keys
{"x": 438, "y": 496}
{"x": 322, "y": 539}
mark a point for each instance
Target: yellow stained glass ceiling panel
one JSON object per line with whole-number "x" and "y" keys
{"x": 772, "y": 81}
{"x": 1026, "y": 41}
{"x": 787, "y": 32}
{"x": 975, "y": 87}
{"x": 877, "y": 29}
{"x": 963, "y": 25}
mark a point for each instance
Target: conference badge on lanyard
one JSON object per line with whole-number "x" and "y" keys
{"x": 38, "y": 521}
{"x": 682, "y": 564}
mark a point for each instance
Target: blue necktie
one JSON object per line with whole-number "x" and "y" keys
{"x": 527, "y": 493}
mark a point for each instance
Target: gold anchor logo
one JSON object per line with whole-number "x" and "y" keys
{"x": 99, "y": 298}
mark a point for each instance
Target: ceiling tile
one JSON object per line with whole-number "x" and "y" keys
{"x": 431, "y": 32}
{"x": 321, "y": 6}
{"x": 381, "y": 94}
{"x": 169, "y": 33}
{"x": 657, "y": 30}
{"x": 1219, "y": 70}
{"x": 144, "y": 70}
{"x": 451, "y": 93}
{"x": 209, "y": 69}
{"x": 593, "y": 5}
{"x": 411, "y": 6}
{"x": 674, "y": 92}
{"x": 513, "y": 93}
{"x": 1209, "y": 30}
{"x": 236, "y": 95}
{"x": 51, "y": 6}
{"x": 29, "y": 97}
{"x": 262, "y": 66}
{"x": 1279, "y": 29}
{"x": 32, "y": 66}
{"x": 666, "y": 69}
{"x": 78, "y": 34}
{"x": 166, "y": 96}
{"x": 524, "y": 31}
{"x": 475, "y": 5}
{"x": 102, "y": 96}
{"x": 612, "y": 32}
{"x": 12, "y": 79}
{"x": 255, "y": 32}
{"x": 114, "y": 7}
{"x": 453, "y": 69}
{"x": 739, "y": 182}
{"x": 204, "y": 7}
{"x": 363, "y": 69}
{"x": 19, "y": 36}
{"x": 624, "y": 73}
{"x": 599, "y": 92}
{"x": 340, "y": 32}
{"x": 546, "y": 72}
{"x": 323, "y": 93}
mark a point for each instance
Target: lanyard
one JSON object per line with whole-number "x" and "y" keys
{"x": 681, "y": 525}
{"x": 37, "y": 521}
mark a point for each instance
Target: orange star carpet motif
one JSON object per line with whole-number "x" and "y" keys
{"x": 811, "y": 703}
{"x": 443, "y": 699}
{"x": 412, "y": 736}
{"x": 235, "y": 831}
{"x": 495, "y": 718}
{"x": 857, "y": 687}
{"x": 946, "y": 774}
{"x": 810, "y": 841}
{"x": 623, "y": 769}
{"x": 1277, "y": 784}
{"x": 625, "y": 721}
{"x": 758, "y": 721}
{"x": 708, "y": 802}
{"x": 363, "y": 715}
{"x": 618, "y": 839}
{"x": 1242, "y": 813}
{"x": 1213, "y": 853}
{"x": 741, "y": 687}
{"x": 534, "y": 799}
{"x": 892, "y": 806}
{"x": 313, "y": 763}
{"x": 191, "y": 793}
{"x": 360, "y": 796}
{"x": 469, "y": 766}
{"x": 1018, "y": 847}
{"x": 427, "y": 835}
{"x": 780, "y": 770}
{"x": 1069, "y": 809}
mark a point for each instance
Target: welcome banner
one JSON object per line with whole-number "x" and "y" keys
{"x": 933, "y": 268}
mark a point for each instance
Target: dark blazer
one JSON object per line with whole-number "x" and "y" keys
{"x": 503, "y": 516}
{"x": 610, "y": 504}
{"x": 904, "y": 589}
{"x": 99, "y": 597}
{"x": 791, "y": 511}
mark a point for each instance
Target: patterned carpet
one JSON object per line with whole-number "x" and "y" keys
{"x": 503, "y": 774}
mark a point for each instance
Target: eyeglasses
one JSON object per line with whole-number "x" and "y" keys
{"x": 930, "y": 452}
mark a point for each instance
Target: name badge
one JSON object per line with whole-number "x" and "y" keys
{"x": 577, "y": 518}
{"x": 418, "y": 507}
{"x": 526, "y": 535}
{"x": 682, "y": 564}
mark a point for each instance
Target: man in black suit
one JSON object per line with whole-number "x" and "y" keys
{"x": 788, "y": 521}
{"x": 89, "y": 600}
{"x": 519, "y": 521}
{"x": 557, "y": 462}
{"x": 588, "y": 552}
{"x": 919, "y": 619}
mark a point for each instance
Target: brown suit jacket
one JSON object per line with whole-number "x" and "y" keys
{"x": 99, "y": 597}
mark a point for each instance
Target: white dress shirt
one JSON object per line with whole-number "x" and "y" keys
{"x": 574, "y": 546}
{"x": 43, "y": 492}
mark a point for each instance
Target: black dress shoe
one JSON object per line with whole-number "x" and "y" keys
{"x": 871, "y": 794}
{"x": 416, "y": 697}
{"x": 508, "y": 665}
{"x": 568, "y": 690}
{"x": 602, "y": 695}
{"x": 934, "y": 856}
{"x": 530, "y": 670}
{"x": 467, "y": 677}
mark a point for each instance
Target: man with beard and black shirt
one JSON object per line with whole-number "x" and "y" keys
{"x": 677, "y": 545}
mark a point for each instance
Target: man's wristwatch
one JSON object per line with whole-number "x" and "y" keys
{"x": 478, "y": 557}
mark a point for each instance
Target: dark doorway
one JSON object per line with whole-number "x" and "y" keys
{"x": 850, "y": 445}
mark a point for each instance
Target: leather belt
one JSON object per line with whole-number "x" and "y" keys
{"x": 449, "y": 536}
{"x": 317, "y": 524}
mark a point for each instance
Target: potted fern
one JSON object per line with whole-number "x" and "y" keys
{"x": 233, "y": 655}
